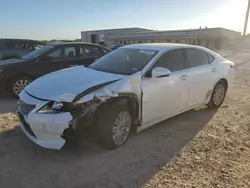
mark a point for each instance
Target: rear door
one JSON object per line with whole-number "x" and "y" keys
{"x": 56, "y": 59}
{"x": 202, "y": 74}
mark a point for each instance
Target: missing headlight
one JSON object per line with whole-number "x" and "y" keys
{"x": 80, "y": 110}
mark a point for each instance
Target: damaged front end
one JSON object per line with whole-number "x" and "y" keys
{"x": 50, "y": 123}
{"x": 85, "y": 105}
{"x": 84, "y": 114}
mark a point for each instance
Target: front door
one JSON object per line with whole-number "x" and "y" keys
{"x": 164, "y": 96}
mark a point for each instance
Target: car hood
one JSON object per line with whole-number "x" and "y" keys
{"x": 10, "y": 61}
{"x": 66, "y": 84}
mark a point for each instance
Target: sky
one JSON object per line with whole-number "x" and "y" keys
{"x": 65, "y": 19}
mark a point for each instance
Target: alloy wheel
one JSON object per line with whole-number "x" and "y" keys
{"x": 219, "y": 94}
{"x": 121, "y": 127}
{"x": 19, "y": 85}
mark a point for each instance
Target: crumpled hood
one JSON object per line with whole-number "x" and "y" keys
{"x": 66, "y": 84}
{"x": 10, "y": 61}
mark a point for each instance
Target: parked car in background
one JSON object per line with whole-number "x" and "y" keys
{"x": 116, "y": 47}
{"x": 15, "y": 74}
{"x": 131, "y": 88}
{"x": 16, "y": 48}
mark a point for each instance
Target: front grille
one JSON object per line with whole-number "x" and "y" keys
{"x": 26, "y": 125}
{"x": 25, "y": 108}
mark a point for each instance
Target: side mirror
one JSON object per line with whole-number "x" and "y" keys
{"x": 160, "y": 72}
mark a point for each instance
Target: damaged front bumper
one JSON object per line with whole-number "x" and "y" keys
{"x": 45, "y": 130}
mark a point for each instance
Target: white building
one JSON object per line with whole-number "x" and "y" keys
{"x": 100, "y": 36}
{"x": 208, "y": 37}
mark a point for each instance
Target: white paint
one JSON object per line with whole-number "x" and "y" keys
{"x": 163, "y": 96}
{"x": 65, "y": 84}
{"x": 48, "y": 128}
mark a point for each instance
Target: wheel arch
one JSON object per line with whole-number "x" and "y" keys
{"x": 130, "y": 100}
{"x": 10, "y": 78}
{"x": 221, "y": 79}
{"x": 225, "y": 81}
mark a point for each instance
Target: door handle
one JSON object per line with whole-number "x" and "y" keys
{"x": 214, "y": 70}
{"x": 184, "y": 77}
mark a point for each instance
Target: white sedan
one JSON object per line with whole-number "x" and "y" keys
{"x": 127, "y": 90}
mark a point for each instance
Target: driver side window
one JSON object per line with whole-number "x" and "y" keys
{"x": 172, "y": 60}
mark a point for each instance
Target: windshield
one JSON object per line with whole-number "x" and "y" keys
{"x": 125, "y": 61}
{"x": 38, "y": 52}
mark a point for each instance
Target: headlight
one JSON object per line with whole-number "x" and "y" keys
{"x": 51, "y": 108}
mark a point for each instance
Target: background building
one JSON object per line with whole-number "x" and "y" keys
{"x": 207, "y": 37}
{"x": 100, "y": 36}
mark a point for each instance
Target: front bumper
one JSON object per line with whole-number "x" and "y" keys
{"x": 45, "y": 130}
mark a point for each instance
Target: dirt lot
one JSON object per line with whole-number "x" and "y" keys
{"x": 200, "y": 148}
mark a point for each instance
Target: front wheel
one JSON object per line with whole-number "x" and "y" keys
{"x": 218, "y": 95}
{"x": 114, "y": 126}
{"x": 17, "y": 84}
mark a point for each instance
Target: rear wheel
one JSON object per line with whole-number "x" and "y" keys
{"x": 218, "y": 95}
{"x": 17, "y": 84}
{"x": 114, "y": 126}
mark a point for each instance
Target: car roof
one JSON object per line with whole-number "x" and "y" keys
{"x": 13, "y": 39}
{"x": 73, "y": 43}
{"x": 161, "y": 46}
{"x": 76, "y": 43}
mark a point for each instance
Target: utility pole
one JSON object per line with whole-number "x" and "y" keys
{"x": 246, "y": 18}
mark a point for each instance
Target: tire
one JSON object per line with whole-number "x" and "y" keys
{"x": 21, "y": 81}
{"x": 106, "y": 123}
{"x": 216, "y": 103}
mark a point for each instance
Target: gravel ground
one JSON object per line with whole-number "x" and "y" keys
{"x": 200, "y": 148}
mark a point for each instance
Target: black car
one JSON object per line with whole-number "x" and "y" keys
{"x": 116, "y": 47}
{"x": 15, "y": 74}
{"x": 16, "y": 48}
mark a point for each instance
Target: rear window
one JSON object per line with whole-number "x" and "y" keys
{"x": 89, "y": 51}
{"x": 104, "y": 50}
{"x": 210, "y": 58}
{"x": 196, "y": 57}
